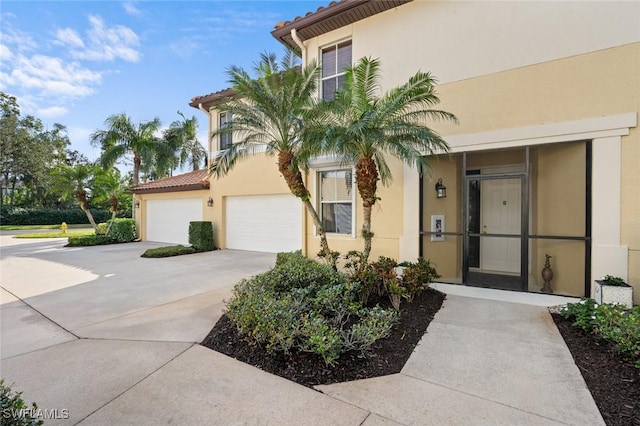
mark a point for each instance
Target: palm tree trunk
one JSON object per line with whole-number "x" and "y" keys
{"x": 136, "y": 169}
{"x": 367, "y": 181}
{"x": 326, "y": 253}
{"x": 296, "y": 185}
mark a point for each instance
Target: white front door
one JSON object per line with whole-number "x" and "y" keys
{"x": 500, "y": 214}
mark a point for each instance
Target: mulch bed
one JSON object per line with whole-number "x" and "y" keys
{"x": 388, "y": 356}
{"x": 613, "y": 381}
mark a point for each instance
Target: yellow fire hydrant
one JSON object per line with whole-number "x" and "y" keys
{"x": 64, "y": 227}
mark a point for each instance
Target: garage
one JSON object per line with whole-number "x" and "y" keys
{"x": 168, "y": 219}
{"x": 267, "y": 223}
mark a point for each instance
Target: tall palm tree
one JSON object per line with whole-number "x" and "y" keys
{"x": 367, "y": 125}
{"x": 122, "y": 138}
{"x": 272, "y": 110}
{"x": 76, "y": 182}
{"x": 183, "y": 141}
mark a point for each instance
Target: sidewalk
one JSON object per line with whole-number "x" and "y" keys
{"x": 482, "y": 362}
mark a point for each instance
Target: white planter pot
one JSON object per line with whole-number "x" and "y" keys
{"x": 622, "y": 295}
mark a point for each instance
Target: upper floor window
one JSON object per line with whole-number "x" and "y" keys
{"x": 336, "y": 201}
{"x": 334, "y": 61}
{"x": 225, "y": 139}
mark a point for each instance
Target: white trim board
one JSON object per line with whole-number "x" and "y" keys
{"x": 566, "y": 131}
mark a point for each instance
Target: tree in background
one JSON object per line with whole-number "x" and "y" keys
{"x": 28, "y": 153}
{"x": 109, "y": 189}
{"x": 122, "y": 138}
{"x": 368, "y": 125}
{"x": 181, "y": 136}
{"x": 76, "y": 182}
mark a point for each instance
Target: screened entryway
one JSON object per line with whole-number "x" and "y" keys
{"x": 515, "y": 219}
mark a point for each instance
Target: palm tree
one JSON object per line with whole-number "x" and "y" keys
{"x": 367, "y": 125}
{"x": 273, "y": 110}
{"x": 109, "y": 187}
{"x": 122, "y": 138}
{"x": 183, "y": 141}
{"x": 75, "y": 182}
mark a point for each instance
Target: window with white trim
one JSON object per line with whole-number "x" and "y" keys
{"x": 225, "y": 139}
{"x": 334, "y": 61}
{"x": 336, "y": 201}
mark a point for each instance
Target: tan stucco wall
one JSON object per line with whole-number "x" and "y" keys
{"x": 141, "y": 212}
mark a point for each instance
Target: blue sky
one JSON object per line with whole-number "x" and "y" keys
{"x": 77, "y": 62}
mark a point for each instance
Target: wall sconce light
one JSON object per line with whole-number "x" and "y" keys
{"x": 210, "y": 202}
{"x": 441, "y": 190}
{"x": 137, "y": 204}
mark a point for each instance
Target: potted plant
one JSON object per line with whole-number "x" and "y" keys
{"x": 612, "y": 289}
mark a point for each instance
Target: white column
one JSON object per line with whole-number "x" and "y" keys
{"x": 409, "y": 243}
{"x": 608, "y": 256}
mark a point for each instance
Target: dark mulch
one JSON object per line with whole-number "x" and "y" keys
{"x": 388, "y": 356}
{"x": 613, "y": 381}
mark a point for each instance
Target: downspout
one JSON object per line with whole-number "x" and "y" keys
{"x": 303, "y": 51}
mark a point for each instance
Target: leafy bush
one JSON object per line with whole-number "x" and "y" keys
{"x": 43, "y": 216}
{"x": 613, "y": 281}
{"x": 201, "y": 235}
{"x": 168, "y": 251}
{"x": 15, "y": 411}
{"x": 583, "y": 313}
{"x": 417, "y": 276}
{"x": 284, "y": 257}
{"x": 102, "y": 228}
{"x": 90, "y": 240}
{"x": 616, "y": 323}
{"x": 303, "y": 305}
{"x": 123, "y": 230}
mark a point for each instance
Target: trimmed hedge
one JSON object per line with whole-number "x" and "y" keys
{"x": 42, "y": 216}
{"x": 89, "y": 240}
{"x": 168, "y": 251}
{"x": 123, "y": 230}
{"x": 201, "y": 235}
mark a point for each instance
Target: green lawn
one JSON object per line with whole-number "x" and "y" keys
{"x": 58, "y": 234}
{"x": 27, "y": 227}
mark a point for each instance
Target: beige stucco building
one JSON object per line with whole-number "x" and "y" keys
{"x": 543, "y": 159}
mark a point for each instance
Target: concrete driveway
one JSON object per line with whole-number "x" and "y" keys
{"x": 99, "y": 335}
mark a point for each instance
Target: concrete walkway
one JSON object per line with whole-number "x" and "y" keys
{"x": 98, "y": 335}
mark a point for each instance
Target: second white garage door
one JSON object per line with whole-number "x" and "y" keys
{"x": 168, "y": 220}
{"x": 269, "y": 223}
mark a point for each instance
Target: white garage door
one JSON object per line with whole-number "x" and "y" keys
{"x": 168, "y": 220}
{"x": 269, "y": 223}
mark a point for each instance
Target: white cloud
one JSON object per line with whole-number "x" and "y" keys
{"x": 52, "y": 76}
{"x": 52, "y": 112}
{"x": 108, "y": 43}
{"x": 5, "y": 53}
{"x": 131, "y": 9}
{"x": 68, "y": 37}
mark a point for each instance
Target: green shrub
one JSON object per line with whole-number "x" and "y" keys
{"x": 616, "y": 323}
{"x": 303, "y": 305}
{"x": 417, "y": 276}
{"x": 89, "y": 240}
{"x": 45, "y": 216}
{"x": 102, "y": 228}
{"x": 583, "y": 313}
{"x": 168, "y": 251}
{"x": 284, "y": 257}
{"x": 14, "y": 410}
{"x": 201, "y": 236}
{"x": 123, "y": 230}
